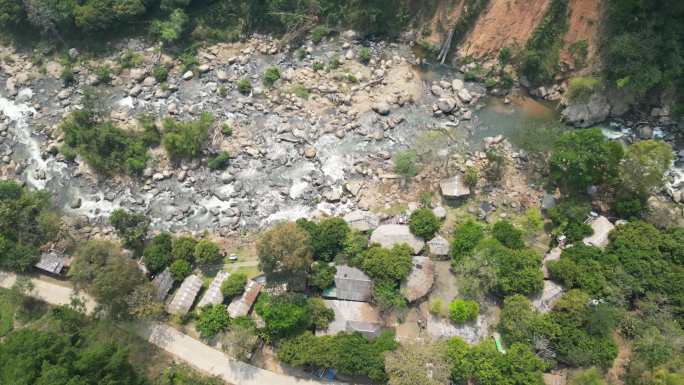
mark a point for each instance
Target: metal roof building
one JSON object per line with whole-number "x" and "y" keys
{"x": 52, "y": 262}
{"x": 353, "y": 316}
{"x": 213, "y": 295}
{"x": 241, "y": 306}
{"x": 185, "y": 295}
{"x": 163, "y": 282}
{"x": 352, "y": 284}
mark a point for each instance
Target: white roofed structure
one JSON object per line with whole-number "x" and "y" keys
{"x": 185, "y": 295}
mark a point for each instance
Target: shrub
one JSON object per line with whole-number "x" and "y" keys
{"x": 234, "y": 285}
{"x": 424, "y": 223}
{"x": 405, "y": 164}
{"x": 388, "y": 264}
{"x": 185, "y": 139}
{"x": 582, "y": 158}
{"x": 131, "y": 228}
{"x": 644, "y": 165}
{"x": 104, "y": 74}
{"x": 471, "y": 177}
{"x": 207, "y": 251}
{"x": 150, "y": 132}
{"x": 157, "y": 254}
{"x": 504, "y": 232}
{"x": 425, "y": 199}
{"x": 300, "y": 91}
{"x": 334, "y": 63}
{"x": 130, "y": 59}
{"x": 466, "y": 236}
{"x": 184, "y": 248}
{"x": 271, "y": 75}
{"x": 364, "y": 55}
{"x": 220, "y": 161}
{"x": 227, "y": 129}
{"x": 321, "y": 315}
{"x": 172, "y": 29}
{"x": 322, "y": 275}
{"x": 568, "y": 217}
{"x": 284, "y": 315}
{"x": 580, "y": 89}
{"x": 437, "y": 308}
{"x": 461, "y": 311}
{"x": 67, "y": 75}
{"x": 212, "y": 319}
{"x": 244, "y": 86}
{"x": 318, "y": 33}
{"x": 160, "y": 73}
{"x": 495, "y": 165}
{"x": 318, "y": 66}
{"x": 180, "y": 269}
{"x": 504, "y": 56}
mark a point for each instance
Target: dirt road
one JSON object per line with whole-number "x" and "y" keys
{"x": 181, "y": 346}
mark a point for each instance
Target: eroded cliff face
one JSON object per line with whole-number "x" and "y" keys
{"x": 511, "y": 23}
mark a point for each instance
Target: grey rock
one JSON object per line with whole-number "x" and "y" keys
{"x": 188, "y": 75}
{"x": 584, "y": 114}
{"x": 446, "y": 105}
{"x": 381, "y": 108}
{"x": 440, "y": 212}
{"x": 464, "y": 95}
{"x": 390, "y": 235}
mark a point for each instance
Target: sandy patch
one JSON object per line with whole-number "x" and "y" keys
{"x": 584, "y": 21}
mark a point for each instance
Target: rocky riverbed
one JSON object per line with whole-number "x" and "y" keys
{"x": 326, "y": 150}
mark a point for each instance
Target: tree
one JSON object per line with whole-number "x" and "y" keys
{"x": 207, "y": 251}
{"x": 568, "y": 217}
{"x": 285, "y": 255}
{"x": 144, "y": 304}
{"x": 424, "y": 223}
{"x": 405, "y": 164}
{"x": 322, "y": 275}
{"x": 171, "y": 29}
{"x": 284, "y": 315}
{"x": 211, "y": 320}
{"x": 89, "y": 259}
{"x": 185, "y": 139}
{"x": 157, "y": 255}
{"x": 461, "y": 311}
{"x": 234, "y": 285}
{"x": 466, "y": 237}
{"x": 388, "y": 264}
{"x": 114, "y": 285}
{"x": 11, "y": 13}
{"x": 184, "y": 248}
{"x": 591, "y": 376}
{"x": 180, "y": 269}
{"x": 518, "y": 272}
{"x": 582, "y": 158}
{"x": 327, "y": 237}
{"x": 418, "y": 363}
{"x": 521, "y": 323}
{"x": 27, "y": 222}
{"x": 240, "y": 341}
{"x": 644, "y": 166}
{"x": 509, "y": 236}
{"x": 321, "y": 315}
{"x": 131, "y": 227}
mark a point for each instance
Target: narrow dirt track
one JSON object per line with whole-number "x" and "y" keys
{"x": 181, "y": 346}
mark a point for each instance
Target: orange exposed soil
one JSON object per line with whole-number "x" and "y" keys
{"x": 505, "y": 23}
{"x": 446, "y": 15}
{"x": 583, "y": 25}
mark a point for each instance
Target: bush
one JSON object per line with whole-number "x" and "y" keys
{"x": 424, "y": 223}
{"x": 131, "y": 228}
{"x": 405, "y": 164}
{"x": 227, "y": 129}
{"x": 244, "y": 86}
{"x": 207, "y": 251}
{"x": 300, "y": 91}
{"x": 172, "y": 29}
{"x": 580, "y": 89}
{"x": 318, "y": 33}
{"x": 466, "y": 236}
{"x": 180, "y": 269}
{"x": 568, "y": 217}
{"x": 334, "y": 63}
{"x": 212, "y": 319}
{"x": 495, "y": 165}
{"x": 184, "y": 248}
{"x": 150, "y": 132}
{"x": 185, "y": 139}
{"x": 461, "y": 311}
{"x": 327, "y": 237}
{"x": 220, "y": 161}
{"x": 388, "y": 264}
{"x": 106, "y": 148}
{"x": 583, "y": 158}
{"x": 364, "y": 55}
{"x": 104, "y": 74}
{"x": 271, "y": 76}
{"x": 321, "y": 315}
{"x": 318, "y": 66}
{"x": 504, "y": 232}
{"x": 234, "y": 285}
{"x": 284, "y": 315}
{"x": 437, "y": 308}
{"x": 471, "y": 177}
{"x": 157, "y": 254}
{"x": 644, "y": 166}
{"x": 322, "y": 275}
{"x": 160, "y": 73}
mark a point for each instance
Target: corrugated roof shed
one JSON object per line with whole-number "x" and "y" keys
{"x": 352, "y": 284}
{"x": 213, "y": 295}
{"x": 51, "y": 262}
{"x": 353, "y": 316}
{"x": 185, "y": 296}
{"x": 163, "y": 282}
{"x": 241, "y": 306}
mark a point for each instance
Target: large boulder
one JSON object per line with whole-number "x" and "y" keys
{"x": 446, "y": 105}
{"x": 381, "y": 108}
{"x": 362, "y": 220}
{"x": 420, "y": 280}
{"x": 390, "y": 235}
{"x": 587, "y": 113}
{"x": 438, "y": 246}
{"x": 454, "y": 187}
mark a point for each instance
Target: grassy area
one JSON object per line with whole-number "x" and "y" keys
{"x": 7, "y": 311}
